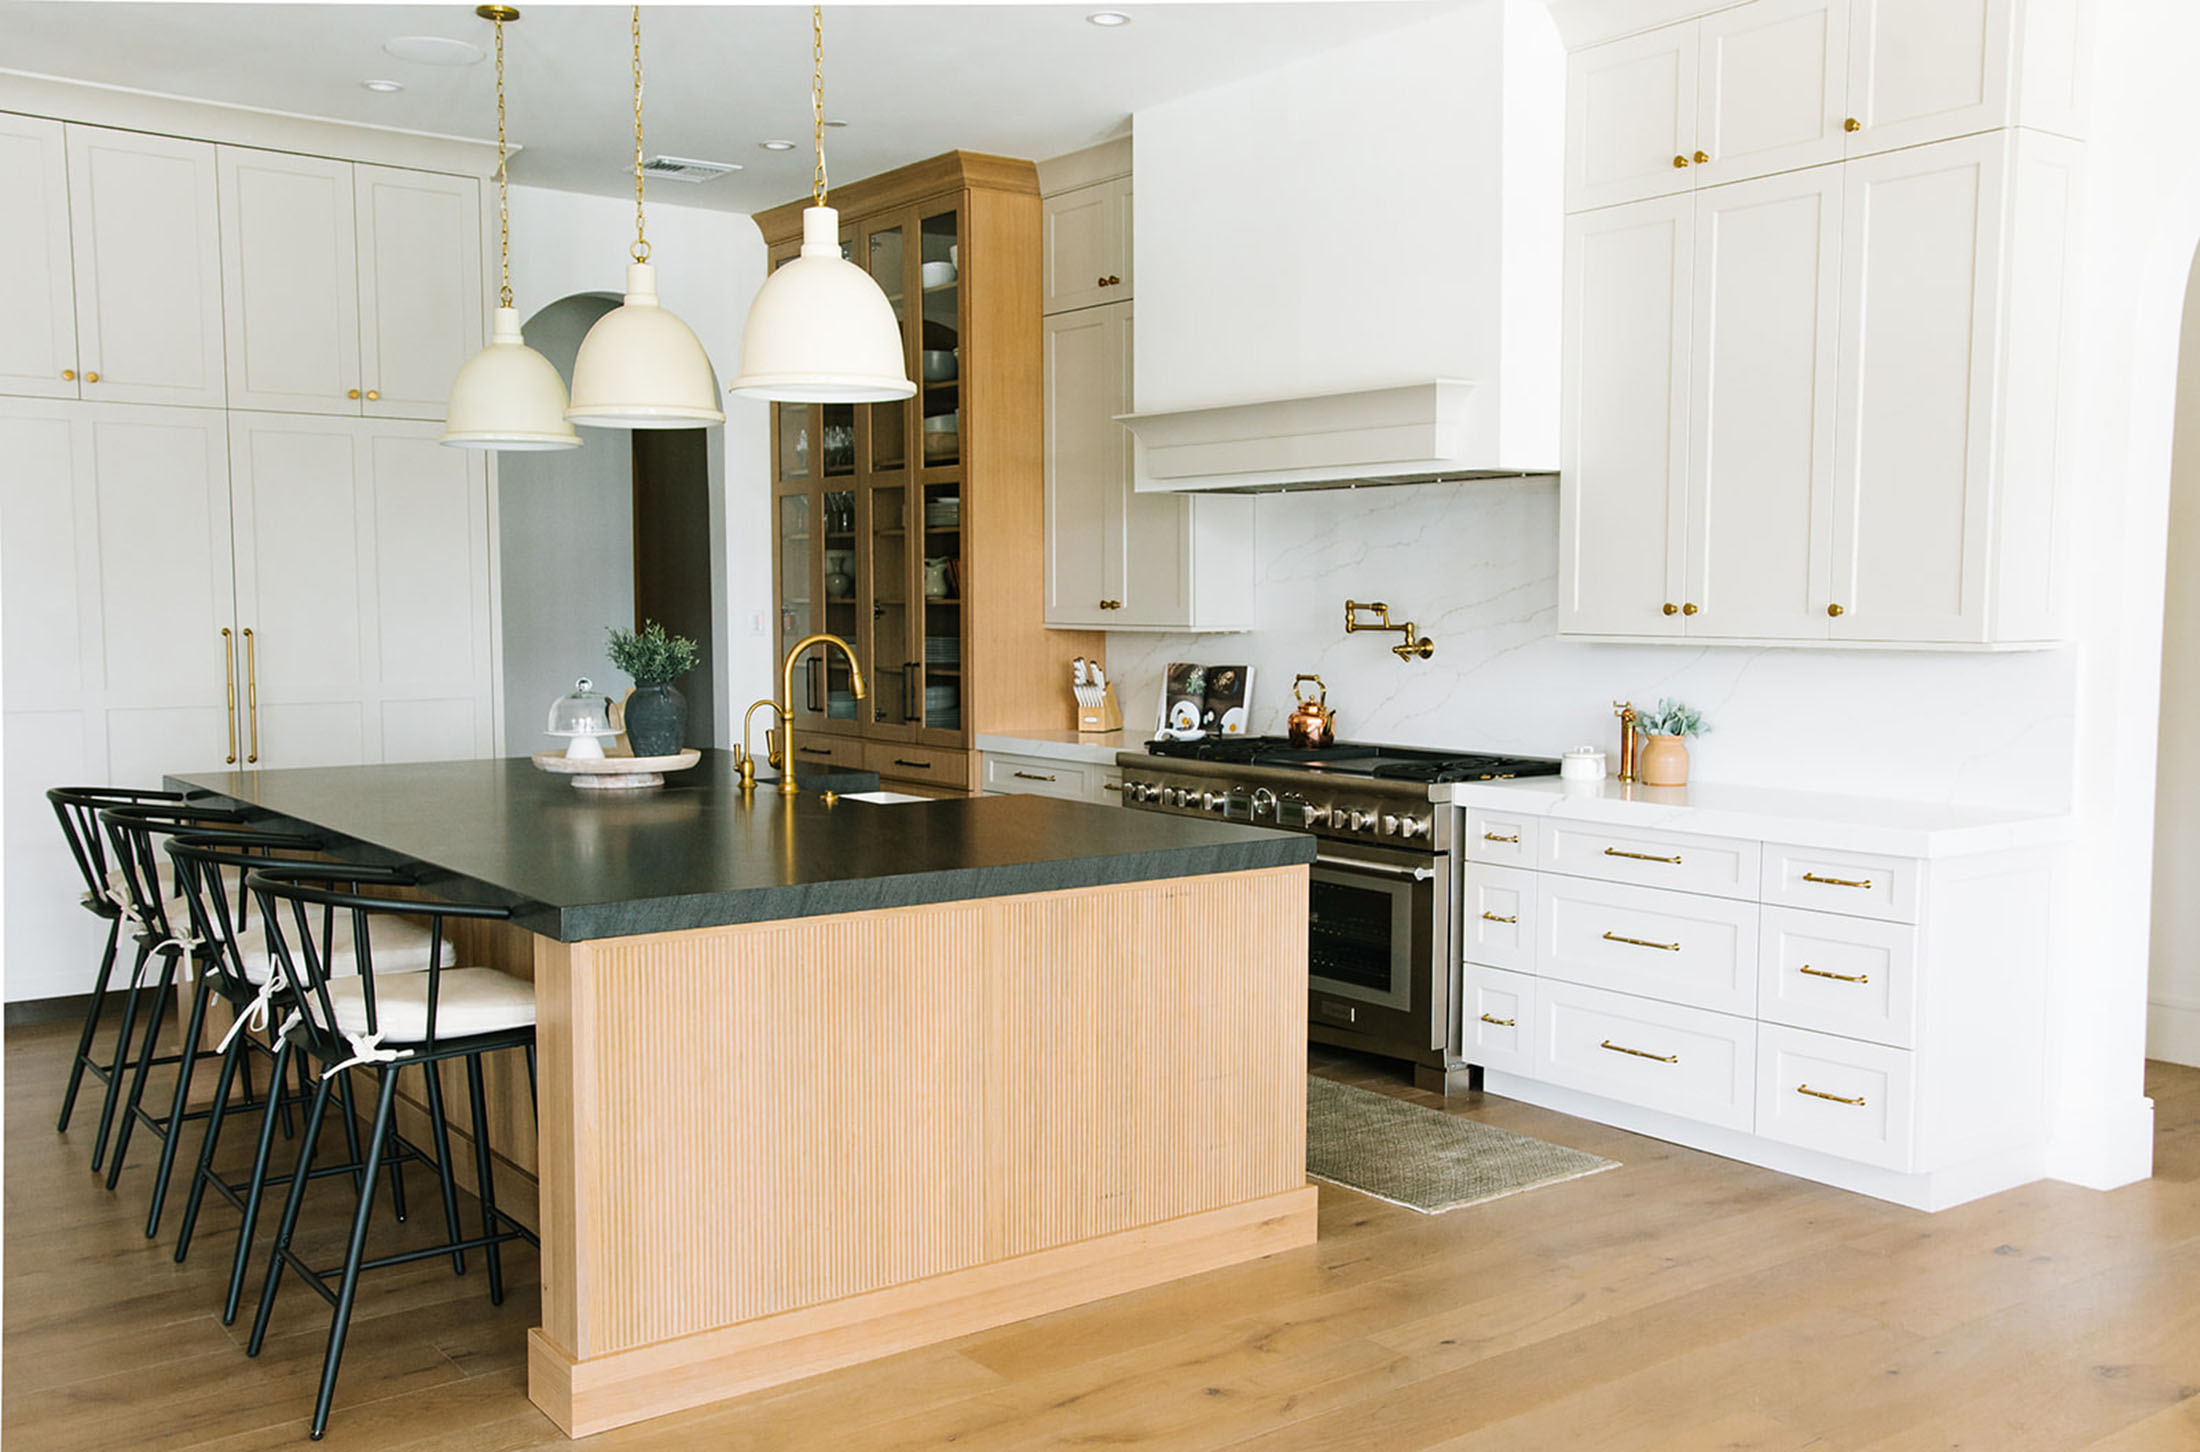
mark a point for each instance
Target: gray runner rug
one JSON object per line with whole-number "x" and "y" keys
{"x": 1421, "y": 1158}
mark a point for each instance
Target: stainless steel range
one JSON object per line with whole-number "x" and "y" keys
{"x": 1383, "y": 911}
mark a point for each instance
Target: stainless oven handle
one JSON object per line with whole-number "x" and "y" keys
{"x": 1415, "y": 874}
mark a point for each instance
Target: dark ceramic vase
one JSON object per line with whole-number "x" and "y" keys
{"x": 656, "y": 720}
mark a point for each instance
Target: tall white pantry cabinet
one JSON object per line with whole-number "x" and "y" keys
{"x": 228, "y": 534}
{"x": 1816, "y": 325}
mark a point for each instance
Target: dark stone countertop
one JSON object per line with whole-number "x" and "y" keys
{"x": 698, "y": 852}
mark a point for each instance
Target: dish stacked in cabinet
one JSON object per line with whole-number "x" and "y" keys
{"x": 1869, "y": 1021}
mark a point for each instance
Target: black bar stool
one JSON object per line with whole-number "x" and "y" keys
{"x": 389, "y": 1022}
{"x": 105, "y": 896}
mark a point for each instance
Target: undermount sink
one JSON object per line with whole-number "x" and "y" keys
{"x": 883, "y": 798}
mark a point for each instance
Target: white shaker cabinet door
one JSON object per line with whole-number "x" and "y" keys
{"x": 1087, "y": 366}
{"x": 1764, "y": 353}
{"x": 290, "y": 275}
{"x": 37, "y": 298}
{"x": 420, "y": 300}
{"x": 1087, "y": 246}
{"x": 1927, "y": 70}
{"x": 1623, "y": 451}
{"x": 1772, "y": 88}
{"x": 146, "y": 237}
{"x": 1631, "y": 118}
{"x": 1920, "y": 277}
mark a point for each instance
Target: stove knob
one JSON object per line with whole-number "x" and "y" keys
{"x": 1210, "y": 801}
{"x": 1390, "y": 825}
{"x": 1358, "y": 820}
{"x": 1317, "y": 816}
{"x": 1411, "y": 827}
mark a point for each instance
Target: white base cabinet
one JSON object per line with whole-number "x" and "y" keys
{"x": 1067, "y": 777}
{"x": 1869, "y": 1021}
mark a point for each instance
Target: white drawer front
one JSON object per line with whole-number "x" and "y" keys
{"x": 1723, "y": 866}
{"x": 1683, "y": 1061}
{"x": 1835, "y": 1095}
{"x": 1035, "y": 776}
{"x": 1501, "y": 838}
{"x": 1499, "y": 927}
{"x": 1842, "y": 882}
{"x": 1838, "y": 975}
{"x": 1500, "y": 1027}
{"x": 1671, "y": 945}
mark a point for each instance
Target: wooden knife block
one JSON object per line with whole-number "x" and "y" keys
{"x": 1097, "y": 710}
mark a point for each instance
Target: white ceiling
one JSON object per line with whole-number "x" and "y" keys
{"x": 1031, "y": 80}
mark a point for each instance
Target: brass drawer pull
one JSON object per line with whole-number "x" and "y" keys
{"x": 1501, "y": 1022}
{"x": 1031, "y": 776}
{"x": 1858, "y": 1101}
{"x": 1640, "y": 1053}
{"x": 1493, "y": 837}
{"x": 815, "y": 750}
{"x": 1111, "y": 786}
{"x": 1837, "y": 881}
{"x": 1490, "y": 917}
{"x": 1836, "y": 977}
{"x": 1642, "y": 942}
{"x": 1642, "y": 856}
{"x": 919, "y": 765}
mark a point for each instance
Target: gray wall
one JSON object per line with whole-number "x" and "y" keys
{"x": 565, "y": 524}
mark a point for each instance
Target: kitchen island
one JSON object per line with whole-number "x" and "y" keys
{"x": 822, "y": 1080}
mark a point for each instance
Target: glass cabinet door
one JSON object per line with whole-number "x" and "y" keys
{"x": 941, "y": 574}
{"x": 891, "y": 678}
{"x": 887, "y": 259}
{"x": 940, "y": 564}
{"x": 798, "y": 612}
{"x": 940, "y": 347}
{"x": 843, "y": 596}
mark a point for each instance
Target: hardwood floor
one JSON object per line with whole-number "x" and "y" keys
{"x": 1677, "y": 1304}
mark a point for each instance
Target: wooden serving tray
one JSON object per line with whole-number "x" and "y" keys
{"x": 615, "y": 773}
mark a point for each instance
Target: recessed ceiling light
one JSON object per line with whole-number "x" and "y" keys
{"x": 776, "y": 145}
{"x": 1107, "y": 18}
{"x": 836, "y": 125}
{"x": 383, "y": 87}
{"x": 433, "y": 50}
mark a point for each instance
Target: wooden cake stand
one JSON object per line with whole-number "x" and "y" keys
{"x": 615, "y": 773}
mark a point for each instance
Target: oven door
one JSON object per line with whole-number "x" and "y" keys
{"x": 1375, "y": 931}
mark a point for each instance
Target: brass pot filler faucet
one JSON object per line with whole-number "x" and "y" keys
{"x": 1413, "y": 646}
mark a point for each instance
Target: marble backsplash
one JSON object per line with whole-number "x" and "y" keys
{"x": 1475, "y": 566}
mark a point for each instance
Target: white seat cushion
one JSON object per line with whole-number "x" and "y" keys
{"x": 469, "y": 1001}
{"x": 400, "y": 946}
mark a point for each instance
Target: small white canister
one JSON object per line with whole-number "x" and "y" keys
{"x": 1583, "y": 763}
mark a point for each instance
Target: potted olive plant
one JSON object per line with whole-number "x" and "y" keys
{"x": 656, "y": 712}
{"x": 1664, "y": 759}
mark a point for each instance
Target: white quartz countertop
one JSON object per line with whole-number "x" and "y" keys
{"x": 1771, "y": 814}
{"x": 1060, "y": 745}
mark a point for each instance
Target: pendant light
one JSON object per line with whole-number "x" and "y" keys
{"x": 640, "y": 367}
{"x": 507, "y": 396}
{"x": 821, "y": 330}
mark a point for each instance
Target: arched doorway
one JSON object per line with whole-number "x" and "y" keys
{"x": 2173, "y": 987}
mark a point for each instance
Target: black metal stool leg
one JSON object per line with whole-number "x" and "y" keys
{"x": 144, "y": 1067}
{"x": 239, "y": 1053}
{"x": 397, "y": 1166}
{"x": 289, "y": 1222}
{"x": 202, "y": 989}
{"x": 253, "y": 1191}
{"x": 117, "y": 1069}
{"x": 482, "y": 1168}
{"x": 92, "y": 1015}
{"x": 351, "y": 1131}
{"x": 443, "y": 1159}
{"x": 348, "y": 1288}
{"x": 534, "y": 1095}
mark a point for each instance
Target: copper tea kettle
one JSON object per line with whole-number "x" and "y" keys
{"x": 1313, "y": 723}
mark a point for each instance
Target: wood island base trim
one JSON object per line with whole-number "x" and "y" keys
{"x": 585, "y": 1398}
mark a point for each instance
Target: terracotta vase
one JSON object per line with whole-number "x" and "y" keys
{"x": 1664, "y": 761}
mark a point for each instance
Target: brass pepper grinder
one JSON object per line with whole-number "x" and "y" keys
{"x": 1625, "y": 710}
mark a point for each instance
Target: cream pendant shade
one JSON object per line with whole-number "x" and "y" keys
{"x": 508, "y": 396}
{"x": 641, "y": 368}
{"x": 820, "y": 330}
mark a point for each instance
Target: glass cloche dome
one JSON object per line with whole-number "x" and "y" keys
{"x": 584, "y": 716}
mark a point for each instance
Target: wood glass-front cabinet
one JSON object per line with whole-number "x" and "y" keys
{"x": 912, "y": 529}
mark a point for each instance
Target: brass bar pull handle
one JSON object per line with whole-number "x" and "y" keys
{"x": 1501, "y": 1022}
{"x": 1111, "y": 786}
{"x": 1642, "y": 943}
{"x": 815, "y": 750}
{"x": 1490, "y": 917}
{"x": 1640, "y": 1053}
{"x": 252, "y": 693}
{"x": 1031, "y": 776}
{"x": 229, "y": 679}
{"x": 1863, "y": 882}
{"x": 1836, "y": 977}
{"x": 917, "y": 765}
{"x": 1858, "y": 1101}
{"x": 1493, "y": 837}
{"x": 1642, "y": 856}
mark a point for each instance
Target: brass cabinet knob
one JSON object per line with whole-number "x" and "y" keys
{"x": 353, "y": 394}
{"x": 372, "y": 394}
{"x": 1114, "y": 281}
{"x": 1835, "y": 611}
{"x": 1671, "y": 608}
{"x": 1680, "y": 161}
{"x": 1701, "y": 158}
{"x": 1689, "y": 609}
{"x": 68, "y": 375}
{"x": 1852, "y": 124}
{"x": 92, "y": 376}
{"x": 1099, "y": 282}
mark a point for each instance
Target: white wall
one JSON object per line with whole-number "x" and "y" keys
{"x": 2173, "y": 1019}
{"x": 709, "y": 265}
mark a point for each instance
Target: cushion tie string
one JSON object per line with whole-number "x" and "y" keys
{"x": 257, "y": 1012}
{"x": 365, "y": 1049}
{"x": 120, "y": 897}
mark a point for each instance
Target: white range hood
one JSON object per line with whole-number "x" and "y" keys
{"x": 1349, "y": 267}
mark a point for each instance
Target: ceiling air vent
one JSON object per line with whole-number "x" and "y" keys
{"x": 687, "y": 168}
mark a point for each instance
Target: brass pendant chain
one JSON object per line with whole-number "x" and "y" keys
{"x": 504, "y": 204}
{"x": 817, "y": 101}
{"x": 640, "y": 250}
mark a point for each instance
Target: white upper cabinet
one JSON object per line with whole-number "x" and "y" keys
{"x": 1631, "y": 118}
{"x": 146, "y": 238}
{"x": 37, "y": 297}
{"x": 1087, "y": 365}
{"x": 1623, "y": 395}
{"x": 1772, "y": 80}
{"x": 1087, "y": 246}
{"x": 420, "y": 298}
{"x": 290, "y": 274}
{"x": 1927, "y": 69}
